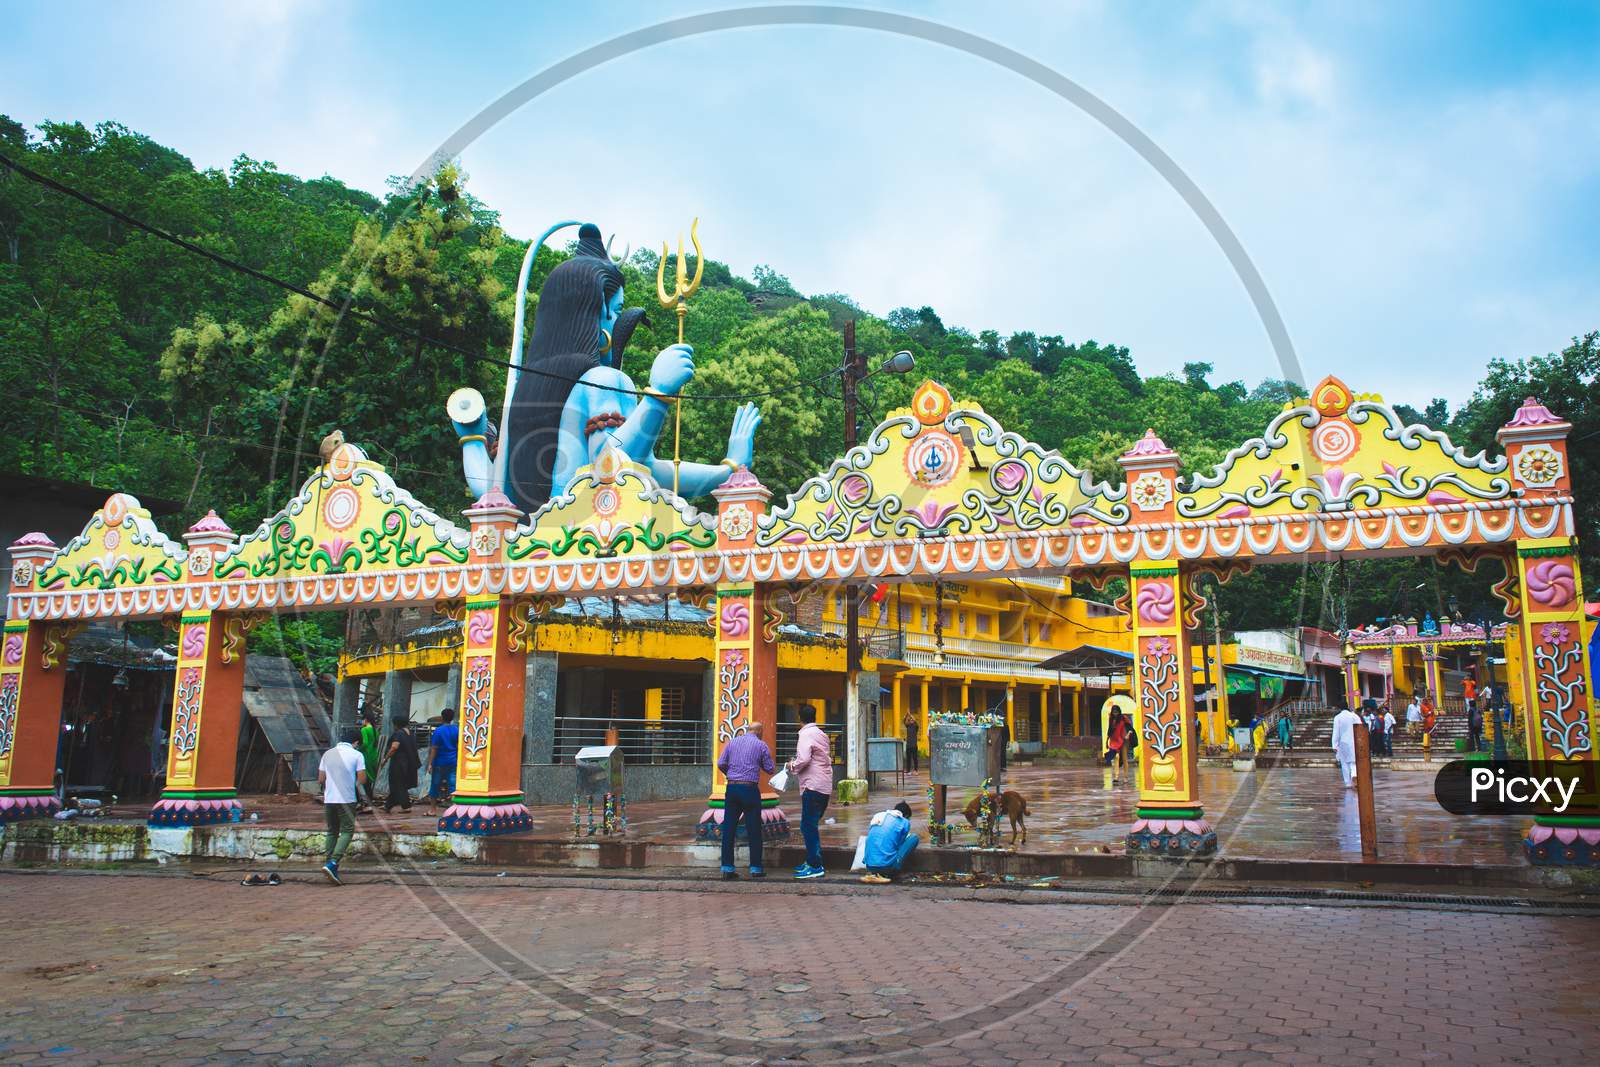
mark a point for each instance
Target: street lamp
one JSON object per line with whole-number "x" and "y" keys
{"x": 901, "y": 362}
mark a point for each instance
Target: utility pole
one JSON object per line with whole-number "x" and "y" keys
{"x": 854, "y": 787}
{"x": 1367, "y": 820}
{"x": 854, "y": 369}
{"x": 1219, "y": 692}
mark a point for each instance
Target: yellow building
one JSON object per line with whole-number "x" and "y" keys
{"x": 976, "y": 646}
{"x": 639, "y": 668}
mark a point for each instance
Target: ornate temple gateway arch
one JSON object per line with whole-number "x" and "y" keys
{"x": 938, "y": 489}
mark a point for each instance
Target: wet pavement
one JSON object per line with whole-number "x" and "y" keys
{"x": 180, "y": 970}
{"x": 1283, "y": 813}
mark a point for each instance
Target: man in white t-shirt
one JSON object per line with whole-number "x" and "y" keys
{"x": 341, "y": 773}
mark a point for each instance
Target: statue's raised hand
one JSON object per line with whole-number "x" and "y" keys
{"x": 673, "y": 368}
{"x": 742, "y": 438}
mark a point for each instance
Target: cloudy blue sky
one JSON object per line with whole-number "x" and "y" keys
{"x": 1417, "y": 183}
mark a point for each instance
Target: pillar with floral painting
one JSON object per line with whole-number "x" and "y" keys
{"x": 207, "y": 698}
{"x": 1559, "y": 710}
{"x": 745, "y": 671}
{"x": 488, "y": 795}
{"x": 1169, "y": 819}
{"x": 32, "y": 679}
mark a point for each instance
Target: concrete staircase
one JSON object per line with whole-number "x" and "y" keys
{"x": 1313, "y": 739}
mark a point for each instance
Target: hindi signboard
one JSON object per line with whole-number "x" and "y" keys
{"x": 964, "y": 755}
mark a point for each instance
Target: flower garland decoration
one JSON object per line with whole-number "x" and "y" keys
{"x": 966, "y": 718}
{"x": 938, "y": 832}
{"x": 988, "y": 812}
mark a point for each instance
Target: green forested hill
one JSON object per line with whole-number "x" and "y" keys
{"x": 131, "y": 363}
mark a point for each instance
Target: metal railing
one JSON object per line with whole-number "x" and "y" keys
{"x": 643, "y": 741}
{"x": 983, "y": 646}
{"x": 789, "y": 732}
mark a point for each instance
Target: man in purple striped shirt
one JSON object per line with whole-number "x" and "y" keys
{"x": 742, "y": 761}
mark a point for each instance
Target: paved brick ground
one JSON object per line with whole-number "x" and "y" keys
{"x": 179, "y": 970}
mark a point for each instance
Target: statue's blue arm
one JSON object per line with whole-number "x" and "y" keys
{"x": 642, "y": 423}
{"x": 695, "y": 479}
{"x": 477, "y": 466}
{"x": 471, "y": 424}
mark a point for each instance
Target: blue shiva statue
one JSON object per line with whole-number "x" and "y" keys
{"x": 551, "y": 427}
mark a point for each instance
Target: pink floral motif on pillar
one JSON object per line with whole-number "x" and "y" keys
{"x": 475, "y": 704}
{"x": 186, "y": 712}
{"x": 1552, "y": 584}
{"x": 10, "y": 692}
{"x": 480, "y": 628}
{"x": 733, "y": 695}
{"x": 735, "y": 618}
{"x": 1561, "y": 691}
{"x": 1159, "y": 697}
{"x": 1156, "y": 603}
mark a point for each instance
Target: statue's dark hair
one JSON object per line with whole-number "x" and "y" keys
{"x": 564, "y": 346}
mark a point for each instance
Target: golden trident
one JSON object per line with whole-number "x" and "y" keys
{"x": 682, "y": 289}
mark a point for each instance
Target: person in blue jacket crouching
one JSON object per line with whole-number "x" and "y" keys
{"x": 889, "y": 842}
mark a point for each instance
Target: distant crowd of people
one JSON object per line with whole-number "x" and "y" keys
{"x": 1422, "y": 718}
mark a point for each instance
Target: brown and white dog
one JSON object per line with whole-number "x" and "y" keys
{"x": 1011, "y": 803}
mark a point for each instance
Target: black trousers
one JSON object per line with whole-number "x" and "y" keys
{"x": 399, "y": 796}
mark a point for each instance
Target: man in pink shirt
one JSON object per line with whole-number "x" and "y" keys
{"x": 813, "y": 766}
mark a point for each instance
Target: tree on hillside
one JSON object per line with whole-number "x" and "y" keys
{"x": 1196, "y": 374}
{"x": 430, "y": 275}
{"x": 1023, "y": 345}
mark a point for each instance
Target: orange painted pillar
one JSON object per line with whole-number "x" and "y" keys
{"x": 1169, "y": 818}
{"x": 33, "y": 674}
{"x": 203, "y": 736}
{"x": 1559, "y": 711}
{"x": 207, "y": 698}
{"x": 495, "y": 637}
{"x": 745, "y": 674}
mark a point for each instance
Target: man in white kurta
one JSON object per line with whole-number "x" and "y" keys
{"x": 1344, "y": 744}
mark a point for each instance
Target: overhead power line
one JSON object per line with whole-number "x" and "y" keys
{"x": 345, "y": 305}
